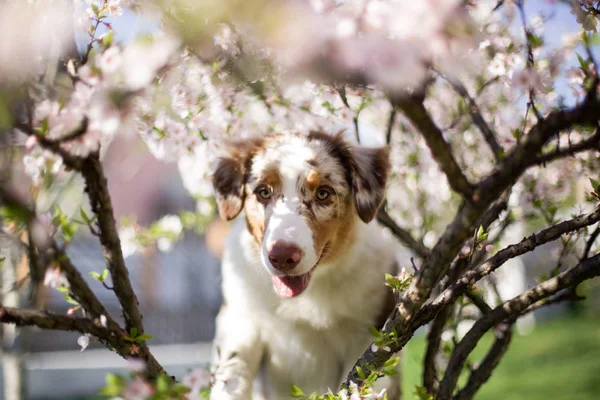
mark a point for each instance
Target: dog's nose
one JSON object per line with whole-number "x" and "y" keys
{"x": 284, "y": 255}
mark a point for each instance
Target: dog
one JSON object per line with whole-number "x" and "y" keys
{"x": 303, "y": 268}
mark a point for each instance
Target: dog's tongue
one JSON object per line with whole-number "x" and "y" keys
{"x": 291, "y": 286}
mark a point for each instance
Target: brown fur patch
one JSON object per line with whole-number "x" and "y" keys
{"x": 367, "y": 171}
{"x": 255, "y": 218}
{"x": 230, "y": 176}
{"x": 332, "y": 237}
{"x": 313, "y": 180}
{"x": 270, "y": 176}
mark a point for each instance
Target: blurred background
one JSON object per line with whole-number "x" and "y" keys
{"x": 556, "y": 353}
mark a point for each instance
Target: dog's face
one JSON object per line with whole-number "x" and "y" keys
{"x": 302, "y": 195}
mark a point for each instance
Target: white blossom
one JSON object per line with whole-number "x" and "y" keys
{"x": 55, "y": 278}
{"x": 83, "y": 341}
{"x": 129, "y": 244}
{"x": 137, "y": 389}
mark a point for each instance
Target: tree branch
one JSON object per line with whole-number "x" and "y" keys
{"x": 80, "y": 290}
{"x": 477, "y": 118}
{"x": 402, "y": 234}
{"x": 49, "y": 320}
{"x": 515, "y": 250}
{"x": 96, "y": 187}
{"x": 592, "y": 143}
{"x": 440, "y": 149}
{"x": 470, "y": 213}
{"x": 405, "y": 327}
{"x": 491, "y": 360}
{"x": 587, "y": 269}
{"x": 390, "y": 125}
{"x": 434, "y": 338}
{"x": 54, "y": 145}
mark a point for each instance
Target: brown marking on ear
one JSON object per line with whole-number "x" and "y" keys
{"x": 367, "y": 171}
{"x": 371, "y": 168}
{"x": 230, "y": 176}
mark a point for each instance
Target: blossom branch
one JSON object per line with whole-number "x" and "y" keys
{"x": 488, "y": 190}
{"x": 54, "y": 145}
{"x": 592, "y": 143}
{"x": 587, "y": 269}
{"x": 406, "y": 327}
{"x": 48, "y": 249}
{"x": 530, "y": 59}
{"x": 440, "y": 149}
{"x": 478, "y": 119}
{"x": 48, "y": 320}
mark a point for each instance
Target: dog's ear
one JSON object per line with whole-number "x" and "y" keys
{"x": 371, "y": 168}
{"x": 230, "y": 176}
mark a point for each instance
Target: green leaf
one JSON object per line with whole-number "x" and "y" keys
{"x": 107, "y": 39}
{"x": 421, "y": 393}
{"x": 297, "y": 393}
{"x": 535, "y": 40}
{"x": 162, "y": 383}
{"x": 100, "y": 277}
{"x": 96, "y": 276}
{"x": 143, "y": 337}
{"x": 71, "y": 300}
{"x": 360, "y": 372}
{"x": 134, "y": 332}
{"x": 481, "y": 234}
{"x": 114, "y": 385}
{"x": 14, "y": 214}
{"x": 95, "y": 9}
{"x": 374, "y": 331}
{"x": 595, "y": 185}
{"x": 328, "y": 106}
{"x": 392, "y": 362}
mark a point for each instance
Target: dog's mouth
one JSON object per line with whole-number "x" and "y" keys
{"x": 289, "y": 286}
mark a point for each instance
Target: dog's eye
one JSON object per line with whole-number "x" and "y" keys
{"x": 322, "y": 194}
{"x": 264, "y": 193}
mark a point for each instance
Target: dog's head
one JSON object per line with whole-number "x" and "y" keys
{"x": 302, "y": 195}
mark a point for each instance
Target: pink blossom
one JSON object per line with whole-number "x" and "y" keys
{"x": 55, "y": 278}
{"x": 137, "y": 389}
{"x": 528, "y": 79}
{"x": 110, "y": 61}
{"x": 135, "y": 364}
{"x": 197, "y": 379}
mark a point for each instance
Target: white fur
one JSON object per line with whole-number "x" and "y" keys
{"x": 312, "y": 340}
{"x": 290, "y": 227}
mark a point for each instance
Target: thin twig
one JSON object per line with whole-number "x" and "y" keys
{"x": 440, "y": 149}
{"x": 477, "y": 117}
{"x": 402, "y": 234}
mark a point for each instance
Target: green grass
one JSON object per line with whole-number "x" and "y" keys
{"x": 560, "y": 360}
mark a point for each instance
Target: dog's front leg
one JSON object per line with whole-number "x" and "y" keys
{"x": 237, "y": 354}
